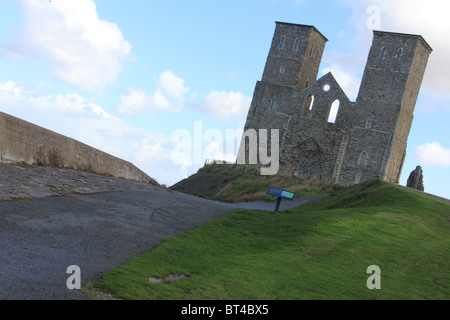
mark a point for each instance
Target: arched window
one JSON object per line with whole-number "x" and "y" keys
{"x": 399, "y": 54}
{"x": 383, "y": 53}
{"x": 273, "y": 105}
{"x": 308, "y": 106}
{"x": 334, "y": 109}
{"x": 363, "y": 158}
{"x": 282, "y": 42}
{"x": 296, "y": 45}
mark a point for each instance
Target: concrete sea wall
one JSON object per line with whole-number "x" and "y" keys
{"x": 24, "y": 142}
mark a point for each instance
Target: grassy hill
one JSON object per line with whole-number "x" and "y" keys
{"x": 317, "y": 251}
{"x": 240, "y": 183}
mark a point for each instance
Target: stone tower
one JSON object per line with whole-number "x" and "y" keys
{"x": 389, "y": 91}
{"x": 322, "y": 133}
{"x": 294, "y": 56}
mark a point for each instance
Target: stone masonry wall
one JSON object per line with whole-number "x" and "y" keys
{"x": 368, "y": 137}
{"x": 24, "y": 142}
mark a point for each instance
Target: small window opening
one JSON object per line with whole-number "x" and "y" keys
{"x": 307, "y": 84}
{"x": 310, "y": 51}
{"x": 326, "y": 88}
{"x": 334, "y": 109}
{"x": 282, "y": 69}
{"x": 282, "y": 42}
{"x": 309, "y": 106}
{"x": 399, "y": 55}
{"x": 363, "y": 158}
{"x": 296, "y": 45}
{"x": 369, "y": 124}
{"x": 383, "y": 53}
{"x": 273, "y": 105}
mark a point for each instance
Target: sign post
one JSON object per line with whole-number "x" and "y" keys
{"x": 281, "y": 194}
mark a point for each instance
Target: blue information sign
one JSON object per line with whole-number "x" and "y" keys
{"x": 281, "y": 194}
{"x": 276, "y": 192}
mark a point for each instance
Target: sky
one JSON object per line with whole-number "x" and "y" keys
{"x": 164, "y": 84}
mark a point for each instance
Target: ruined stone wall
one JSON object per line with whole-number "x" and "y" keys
{"x": 368, "y": 138}
{"x": 24, "y": 142}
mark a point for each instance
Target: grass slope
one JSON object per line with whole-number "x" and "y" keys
{"x": 240, "y": 183}
{"x": 318, "y": 251}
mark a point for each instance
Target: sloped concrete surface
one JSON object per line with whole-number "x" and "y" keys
{"x": 51, "y": 219}
{"x": 41, "y": 237}
{"x": 38, "y": 181}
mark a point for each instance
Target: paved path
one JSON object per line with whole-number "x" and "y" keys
{"x": 42, "y": 236}
{"x": 268, "y": 206}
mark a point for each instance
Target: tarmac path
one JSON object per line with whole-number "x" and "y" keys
{"x": 41, "y": 236}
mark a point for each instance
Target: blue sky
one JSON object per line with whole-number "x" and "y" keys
{"x": 125, "y": 76}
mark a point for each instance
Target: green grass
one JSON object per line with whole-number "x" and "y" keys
{"x": 241, "y": 183}
{"x": 317, "y": 251}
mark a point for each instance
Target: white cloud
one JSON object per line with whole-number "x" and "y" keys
{"x": 216, "y": 151}
{"x": 136, "y": 101}
{"x": 170, "y": 95}
{"x": 349, "y": 82}
{"x": 430, "y": 104}
{"x": 76, "y": 117}
{"x": 81, "y": 49}
{"x": 433, "y": 154}
{"x": 426, "y": 18}
{"x": 14, "y": 97}
{"x": 172, "y": 85}
{"x": 225, "y": 104}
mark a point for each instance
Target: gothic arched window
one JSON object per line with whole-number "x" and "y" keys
{"x": 308, "y": 106}
{"x": 334, "y": 109}
{"x": 273, "y": 105}
{"x": 296, "y": 45}
{"x": 363, "y": 158}
{"x": 383, "y": 53}
{"x": 282, "y": 42}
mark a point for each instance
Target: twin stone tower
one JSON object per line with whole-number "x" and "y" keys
{"x": 322, "y": 133}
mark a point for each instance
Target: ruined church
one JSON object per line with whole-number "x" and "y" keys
{"x": 322, "y": 133}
